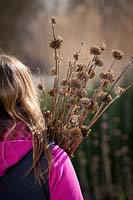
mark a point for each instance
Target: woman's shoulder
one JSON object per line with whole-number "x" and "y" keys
{"x": 58, "y": 155}
{"x": 63, "y": 181}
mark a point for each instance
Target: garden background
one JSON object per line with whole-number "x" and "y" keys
{"x": 103, "y": 161}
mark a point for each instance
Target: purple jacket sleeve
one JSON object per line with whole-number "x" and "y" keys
{"x": 63, "y": 182}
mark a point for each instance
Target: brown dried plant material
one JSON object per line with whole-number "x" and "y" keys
{"x": 98, "y": 61}
{"x": 53, "y": 71}
{"x": 81, "y": 93}
{"x": 79, "y": 67}
{"x": 93, "y": 107}
{"x": 103, "y": 96}
{"x": 53, "y": 20}
{"x": 75, "y": 132}
{"x": 82, "y": 75}
{"x": 64, "y": 82}
{"x": 76, "y": 109}
{"x": 61, "y": 92}
{"x": 92, "y": 74}
{"x": 103, "y": 46}
{"x": 85, "y": 130}
{"x": 117, "y": 54}
{"x": 75, "y": 83}
{"x": 46, "y": 113}
{"x": 105, "y": 83}
{"x": 119, "y": 90}
{"x": 108, "y": 76}
{"x": 76, "y": 55}
{"x": 52, "y": 92}
{"x": 71, "y": 101}
{"x": 56, "y": 43}
{"x": 95, "y": 50}
{"x": 85, "y": 102}
{"x": 40, "y": 87}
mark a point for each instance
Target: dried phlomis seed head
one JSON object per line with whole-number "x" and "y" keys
{"x": 117, "y": 54}
{"x": 95, "y": 50}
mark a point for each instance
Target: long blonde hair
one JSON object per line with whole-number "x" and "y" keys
{"x": 19, "y": 101}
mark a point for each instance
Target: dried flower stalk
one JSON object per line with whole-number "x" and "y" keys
{"x": 70, "y": 105}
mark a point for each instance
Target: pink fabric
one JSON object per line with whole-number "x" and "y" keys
{"x": 13, "y": 149}
{"x": 63, "y": 182}
{"x": 11, "y": 152}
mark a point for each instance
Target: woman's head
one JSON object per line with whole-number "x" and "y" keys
{"x": 18, "y": 102}
{"x": 18, "y": 98}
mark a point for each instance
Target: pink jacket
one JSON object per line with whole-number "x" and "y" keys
{"x": 63, "y": 182}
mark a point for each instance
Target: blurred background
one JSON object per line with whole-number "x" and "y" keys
{"x": 103, "y": 161}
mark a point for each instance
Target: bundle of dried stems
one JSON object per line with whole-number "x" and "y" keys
{"x": 70, "y": 102}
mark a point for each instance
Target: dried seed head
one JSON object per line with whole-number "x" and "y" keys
{"x": 117, "y": 54}
{"x": 75, "y": 83}
{"x": 95, "y": 50}
{"x": 110, "y": 76}
{"x": 64, "y": 82}
{"x": 119, "y": 91}
{"x": 105, "y": 83}
{"x": 76, "y": 55}
{"x": 66, "y": 91}
{"x": 40, "y": 87}
{"x": 79, "y": 67}
{"x": 103, "y": 96}
{"x": 103, "y": 75}
{"x": 72, "y": 101}
{"x": 52, "y": 92}
{"x": 53, "y": 20}
{"x": 76, "y": 132}
{"x": 56, "y": 43}
{"x": 98, "y": 61}
{"x": 103, "y": 46}
{"x": 85, "y": 130}
{"x": 81, "y": 93}
{"x": 85, "y": 101}
{"x": 61, "y": 92}
{"x": 59, "y": 38}
{"x": 74, "y": 119}
{"x": 53, "y": 71}
{"x": 46, "y": 114}
{"x": 107, "y": 75}
{"x": 92, "y": 107}
{"x": 72, "y": 91}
